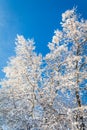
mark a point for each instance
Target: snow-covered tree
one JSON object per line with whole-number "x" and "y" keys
{"x": 53, "y": 109}
{"x": 20, "y": 85}
{"x": 65, "y": 75}
{"x": 75, "y": 37}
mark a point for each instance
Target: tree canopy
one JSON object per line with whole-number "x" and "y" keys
{"x": 47, "y": 93}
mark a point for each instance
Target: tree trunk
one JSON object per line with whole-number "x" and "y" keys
{"x": 82, "y": 125}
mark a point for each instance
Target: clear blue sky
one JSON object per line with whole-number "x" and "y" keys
{"x": 34, "y": 19}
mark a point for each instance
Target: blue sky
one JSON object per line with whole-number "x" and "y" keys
{"x": 34, "y": 19}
